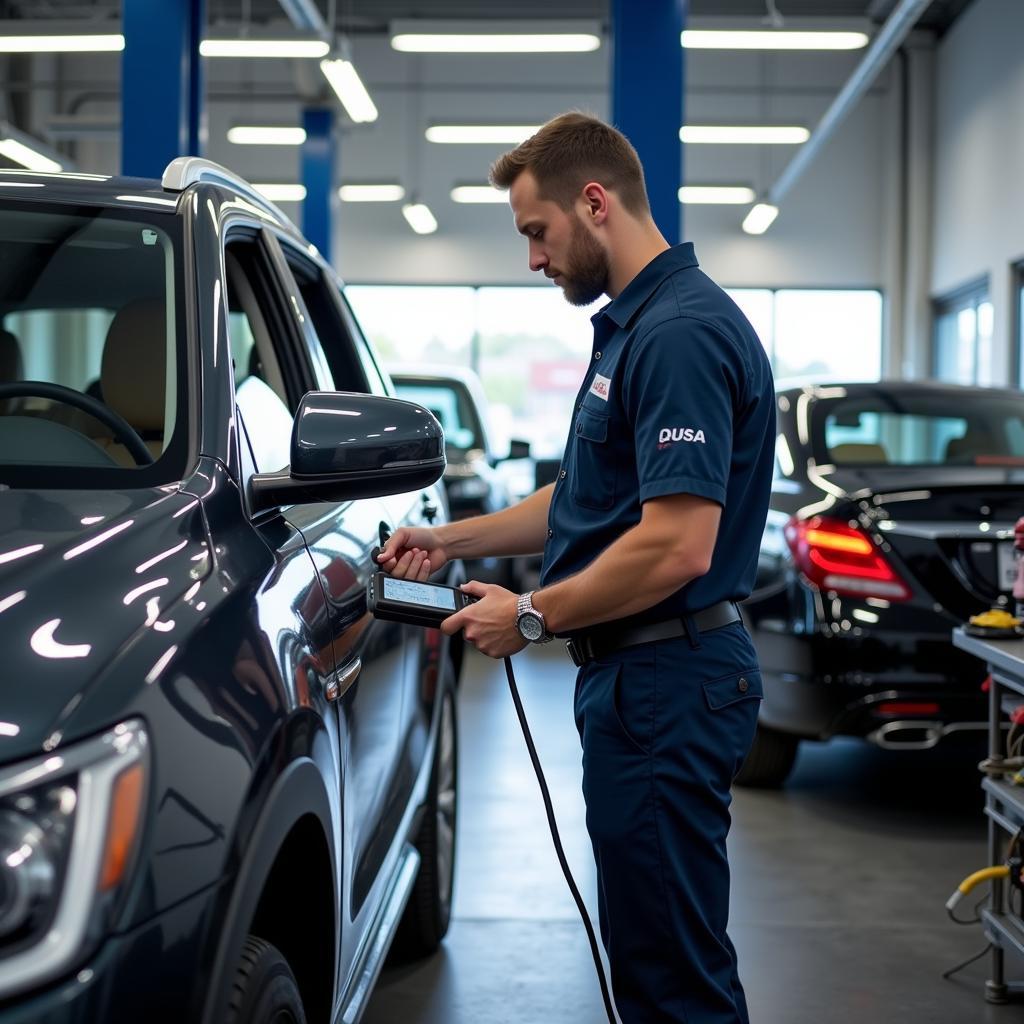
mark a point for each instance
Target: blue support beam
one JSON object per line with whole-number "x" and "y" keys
{"x": 162, "y": 114}
{"x": 318, "y": 158}
{"x": 647, "y": 98}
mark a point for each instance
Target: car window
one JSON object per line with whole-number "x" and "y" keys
{"x": 923, "y": 429}
{"x": 268, "y": 374}
{"x": 451, "y": 405}
{"x": 329, "y": 337}
{"x": 91, "y": 345}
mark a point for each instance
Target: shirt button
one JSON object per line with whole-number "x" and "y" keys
{"x": 597, "y": 355}
{"x": 743, "y": 686}
{"x": 561, "y": 476}
{"x": 551, "y": 533}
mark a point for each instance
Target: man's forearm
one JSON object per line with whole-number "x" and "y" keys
{"x": 519, "y": 530}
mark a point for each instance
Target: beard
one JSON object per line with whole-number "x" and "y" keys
{"x": 587, "y": 271}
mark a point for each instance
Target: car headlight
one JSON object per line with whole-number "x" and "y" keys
{"x": 69, "y": 822}
{"x": 470, "y": 488}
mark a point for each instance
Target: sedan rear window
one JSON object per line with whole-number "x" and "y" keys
{"x": 923, "y": 429}
{"x": 90, "y": 354}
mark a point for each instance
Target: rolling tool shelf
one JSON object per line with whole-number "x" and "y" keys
{"x": 1004, "y": 805}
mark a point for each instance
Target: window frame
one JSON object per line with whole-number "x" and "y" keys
{"x": 968, "y": 296}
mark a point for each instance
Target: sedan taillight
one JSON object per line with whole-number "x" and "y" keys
{"x": 836, "y": 556}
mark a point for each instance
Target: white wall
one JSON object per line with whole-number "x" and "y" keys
{"x": 978, "y": 210}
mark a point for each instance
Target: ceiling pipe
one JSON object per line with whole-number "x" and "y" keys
{"x": 306, "y": 16}
{"x": 892, "y": 34}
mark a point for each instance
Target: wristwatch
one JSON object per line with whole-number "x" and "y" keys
{"x": 530, "y": 622}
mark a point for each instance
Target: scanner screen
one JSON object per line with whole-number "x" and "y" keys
{"x": 419, "y": 593}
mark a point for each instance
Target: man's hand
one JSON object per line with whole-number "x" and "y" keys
{"x": 412, "y": 554}
{"x": 490, "y": 623}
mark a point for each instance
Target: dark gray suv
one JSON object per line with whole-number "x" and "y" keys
{"x": 224, "y": 788}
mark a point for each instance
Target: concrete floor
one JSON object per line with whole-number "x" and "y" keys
{"x": 839, "y": 885}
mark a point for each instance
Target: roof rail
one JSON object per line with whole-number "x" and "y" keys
{"x": 184, "y": 171}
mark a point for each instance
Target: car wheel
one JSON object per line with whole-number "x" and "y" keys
{"x": 264, "y": 990}
{"x": 428, "y": 912}
{"x": 770, "y": 760}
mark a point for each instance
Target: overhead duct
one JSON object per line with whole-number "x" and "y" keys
{"x": 306, "y": 16}
{"x": 882, "y": 47}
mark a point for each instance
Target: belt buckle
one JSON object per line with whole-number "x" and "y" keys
{"x": 574, "y": 653}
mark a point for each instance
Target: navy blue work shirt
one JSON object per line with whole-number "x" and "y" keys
{"x": 678, "y": 399}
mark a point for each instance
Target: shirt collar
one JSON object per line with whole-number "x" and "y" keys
{"x": 623, "y": 308}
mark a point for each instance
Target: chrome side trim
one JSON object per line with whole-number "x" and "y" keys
{"x": 97, "y": 763}
{"x": 958, "y": 529}
{"x": 384, "y": 933}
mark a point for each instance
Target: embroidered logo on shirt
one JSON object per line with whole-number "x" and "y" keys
{"x": 600, "y": 386}
{"x": 668, "y": 435}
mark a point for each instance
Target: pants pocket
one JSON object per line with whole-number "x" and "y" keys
{"x": 735, "y": 686}
{"x": 632, "y": 701}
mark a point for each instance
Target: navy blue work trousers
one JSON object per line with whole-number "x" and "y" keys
{"x": 665, "y": 727}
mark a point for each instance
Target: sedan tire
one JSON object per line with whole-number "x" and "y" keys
{"x": 264, "y": 990}
{"x": 770, "y": 760}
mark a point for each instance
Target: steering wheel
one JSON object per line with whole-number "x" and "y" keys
{"x": 119, "y": 426}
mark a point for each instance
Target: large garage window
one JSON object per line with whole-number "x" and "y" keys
{"x": 1019, "y": 321}
{"x": 963, "y": 336}
{"x": 531, "y": 348}
{"x": 817, "y": 335}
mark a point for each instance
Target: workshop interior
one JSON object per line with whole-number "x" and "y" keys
{"x": 264, "y": 310}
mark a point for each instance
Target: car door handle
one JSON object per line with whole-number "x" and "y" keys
{"x": 429, "y": 509}
{"x": 343, "y": 680}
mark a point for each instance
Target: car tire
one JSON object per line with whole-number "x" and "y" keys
{"x": 264, "y": 990}
{"x": 771, "y": 759}
{"x": 428, "y": 912}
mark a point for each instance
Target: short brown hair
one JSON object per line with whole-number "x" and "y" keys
{"x": 571, "y": 150}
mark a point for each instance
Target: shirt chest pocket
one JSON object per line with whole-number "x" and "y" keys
{"x": 595, "y": 474}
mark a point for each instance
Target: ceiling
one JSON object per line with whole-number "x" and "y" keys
{"x": 373, "y": 15}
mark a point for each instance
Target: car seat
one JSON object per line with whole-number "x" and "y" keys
{"x": 133, "y": 375}
{"x": 974, "y": 441}
{"x": 848, "y": 454}
{"x": 12, "y": 368}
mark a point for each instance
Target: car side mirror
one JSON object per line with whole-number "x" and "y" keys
{"x": 347, "y": 446}
{"x": 517, "y": 450}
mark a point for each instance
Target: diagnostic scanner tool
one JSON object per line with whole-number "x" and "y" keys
{"x": 421, "y": 604}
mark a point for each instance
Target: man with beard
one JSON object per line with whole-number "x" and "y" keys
{"x": 650, "y": 536}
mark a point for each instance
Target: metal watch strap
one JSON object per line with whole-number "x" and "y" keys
{"x": 524, "y": 605}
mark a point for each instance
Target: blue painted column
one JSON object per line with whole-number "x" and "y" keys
{"x": 647, "y": 98}
{"x": 162, "y": 113}
{"x": 318, "y": 158}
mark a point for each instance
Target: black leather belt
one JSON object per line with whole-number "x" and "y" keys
{"x": 605, "y": 638}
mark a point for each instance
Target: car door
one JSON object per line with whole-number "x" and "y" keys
{"x": 377, "y": 795}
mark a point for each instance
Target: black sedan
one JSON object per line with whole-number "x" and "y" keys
{"x": 891, "y": 522}
{"x": 225, "y": 790}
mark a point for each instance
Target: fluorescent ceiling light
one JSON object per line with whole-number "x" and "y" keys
{"x": 420, "y": 219}
{"x": 27, "y": 157}
{"x": 62, "y": 44}
{"x": 345, "y": 81}
{"x": 280, "y": 48}
{"x": 478, "y": 194}
{"x": 729, "y": 194}
{"x": 772, "y": 39}
{"x": 745, "y": 135}
{"x": 371, "y": 193}
{"x": 760, "y": 218}
{"x": 282, "y": 193}
{"x": 551, "y": 42}
{"x": 500, "y": 134}
{"x": 266, "y": 135}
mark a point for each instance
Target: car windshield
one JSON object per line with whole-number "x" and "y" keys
{"x": 923, "y": 429}
{"x": 90, "y": 347}
{"x": 452, "y": 406}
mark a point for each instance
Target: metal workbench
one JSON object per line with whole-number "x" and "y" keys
{"x": 1004, "y": 804}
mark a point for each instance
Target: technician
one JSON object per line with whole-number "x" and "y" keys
{"x": 650, "y": 536}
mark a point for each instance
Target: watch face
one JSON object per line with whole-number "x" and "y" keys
{"x": 530, "y": 627}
